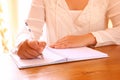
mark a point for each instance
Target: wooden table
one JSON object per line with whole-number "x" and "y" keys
{"x": 100, "y": 69}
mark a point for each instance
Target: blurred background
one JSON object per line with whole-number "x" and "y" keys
{"x": 12, "y": 15}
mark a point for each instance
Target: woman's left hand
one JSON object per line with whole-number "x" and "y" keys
{"x": 75, "y": 41}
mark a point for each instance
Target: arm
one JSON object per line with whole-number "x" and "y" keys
{"x": 35, "y": 22}
{"x": 27, "y": 41}
{"x": 110, "y": 36}
{"x": 36, "y": 18}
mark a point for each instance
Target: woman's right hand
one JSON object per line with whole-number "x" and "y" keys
{"x": 30, "y": 49}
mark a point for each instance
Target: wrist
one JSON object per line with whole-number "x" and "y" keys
{"x": 92, "y": 39}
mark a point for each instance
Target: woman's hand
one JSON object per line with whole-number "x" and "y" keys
{"x": 75, "y": 41}
{"x": 30, "y": 49}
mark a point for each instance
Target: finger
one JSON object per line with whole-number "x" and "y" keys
{"x": 27, "y": 56}
{"x": 31, "y": 54}
{"x": 57, "y": 44}
{"x": 60, "y": 46}
{"x": 21, "y": 54}
{"x": 41, "y": 46}
{"x": 38, "y": 46}
{"x": 34, "y": 44}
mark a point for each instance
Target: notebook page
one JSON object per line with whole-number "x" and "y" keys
{"x": 48, "y": 58}
{"x": 83, "y": 53}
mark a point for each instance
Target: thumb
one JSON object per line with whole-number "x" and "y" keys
{"x": 42, "y": 44}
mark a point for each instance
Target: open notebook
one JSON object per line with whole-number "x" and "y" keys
{"x": 54, "y": 56}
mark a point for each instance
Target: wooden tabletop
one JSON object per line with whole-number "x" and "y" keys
{"x": 99, "y": 69}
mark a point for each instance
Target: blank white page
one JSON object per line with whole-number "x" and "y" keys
{"x": 82, "y": 53}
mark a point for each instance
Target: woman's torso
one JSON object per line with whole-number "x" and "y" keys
{"x": 61, "y": 21}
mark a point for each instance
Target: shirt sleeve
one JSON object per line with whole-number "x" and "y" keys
{"x": 110, "y": 36}
{"x": 35, "y": 22}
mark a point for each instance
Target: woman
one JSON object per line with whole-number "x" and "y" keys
{"x": 70, "y": 23}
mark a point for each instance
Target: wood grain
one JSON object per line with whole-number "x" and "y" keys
{"x": 98, "y": 69}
